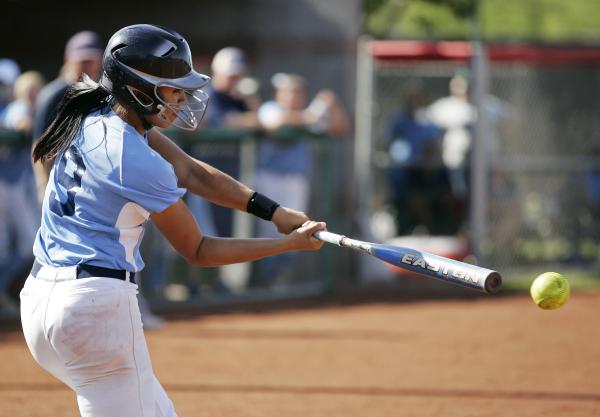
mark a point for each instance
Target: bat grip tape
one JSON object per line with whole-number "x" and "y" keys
{"x": 329, "y": 237}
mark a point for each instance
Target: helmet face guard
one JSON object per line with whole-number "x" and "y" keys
{"x": 142, "y": 62}
{"x": 188, "y": 111}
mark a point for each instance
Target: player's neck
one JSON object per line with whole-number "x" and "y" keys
{"x": 130, "y": 117}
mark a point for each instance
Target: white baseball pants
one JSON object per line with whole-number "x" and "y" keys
{"x": 88, "y": 334}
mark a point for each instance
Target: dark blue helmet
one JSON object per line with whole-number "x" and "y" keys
{"x": 141, "y": 58}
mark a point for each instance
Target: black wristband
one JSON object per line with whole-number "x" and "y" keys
{"x": 261, "y": 206}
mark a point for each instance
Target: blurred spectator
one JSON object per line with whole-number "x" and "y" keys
{"x": 9, "y": 71}
{"x": 591, "y": 180}
{"x": 19, "y": 113}
{"x": 83, "y": 55}
{"x": 419, "y": 181}
{"x": 233, "y": 105}
{"x": 456, "y": 116}
{"x": 592, "y": 188}
{"x": 284, "y": 169}
{"x": 18, "y": 204}
{"x": 228, "y": 108}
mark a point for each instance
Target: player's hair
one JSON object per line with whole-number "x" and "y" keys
{"x": 81, "y": 99}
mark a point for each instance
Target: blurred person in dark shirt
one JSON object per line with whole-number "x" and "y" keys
{"x": 591, "y": 180}
{"x": 229, "y": 108}
{"x": 419, "y": 182}
{"x": 83, "y": 55}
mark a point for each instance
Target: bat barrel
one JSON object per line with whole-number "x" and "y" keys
{"x": 445, "y": 269}
{"x": 435, "y": 266}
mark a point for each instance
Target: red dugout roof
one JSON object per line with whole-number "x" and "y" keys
{"x": 388, "y": 50}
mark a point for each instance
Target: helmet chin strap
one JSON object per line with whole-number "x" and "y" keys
{"x": 145, "y": 123}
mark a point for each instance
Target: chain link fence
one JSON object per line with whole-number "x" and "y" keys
{"x": 544, "y": 175}
{"x": 541, "y": 144}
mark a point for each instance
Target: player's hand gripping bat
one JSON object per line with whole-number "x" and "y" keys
{"x": 434, "y": 266}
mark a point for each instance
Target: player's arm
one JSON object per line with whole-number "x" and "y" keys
{"x": 339, "y": 123}
{"x": 214, "y": 185}
{"x": 178, "y": 225}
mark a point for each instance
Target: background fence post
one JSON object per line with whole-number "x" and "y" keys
{"x": 236, "y": 276}
{"x": 479, "y": 154}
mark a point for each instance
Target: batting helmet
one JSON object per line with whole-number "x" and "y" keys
{"x": 141, "y": 58}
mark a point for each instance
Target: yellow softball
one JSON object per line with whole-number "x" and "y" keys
{"x": 550, "y": 290}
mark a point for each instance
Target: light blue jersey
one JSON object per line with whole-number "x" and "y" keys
{"x": 100, "y": 194}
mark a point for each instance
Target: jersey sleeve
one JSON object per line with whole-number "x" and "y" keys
{"x": 148, "y": 180}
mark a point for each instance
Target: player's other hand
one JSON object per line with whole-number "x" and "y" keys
{"x": 287, "y": 220}
{"x": 303, "y": 239}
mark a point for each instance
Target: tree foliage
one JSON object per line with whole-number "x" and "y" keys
{"x": 538, "y": 20}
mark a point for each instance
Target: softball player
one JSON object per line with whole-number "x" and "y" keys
{"x": 78, "y": 307}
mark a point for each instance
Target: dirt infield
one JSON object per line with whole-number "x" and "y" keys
{"x": 487, "y": 357}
